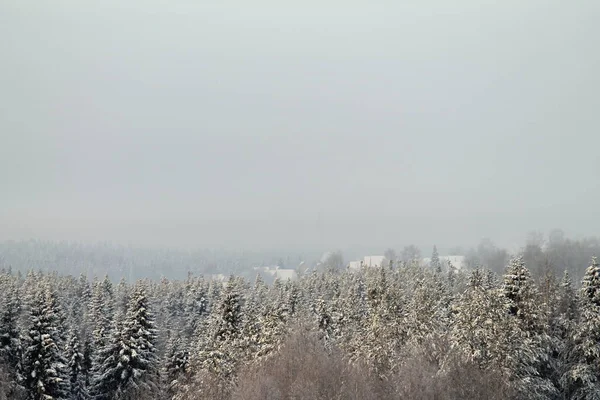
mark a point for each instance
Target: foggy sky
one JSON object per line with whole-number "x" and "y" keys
{"x": 253, "y": 124}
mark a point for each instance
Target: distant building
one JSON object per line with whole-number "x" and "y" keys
{"x": 354, "y": 265}
{"x": 374, "y": 261}
{"x": 368, "y": 261}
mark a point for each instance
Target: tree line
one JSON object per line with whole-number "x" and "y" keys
{"x": 399, "y": 331}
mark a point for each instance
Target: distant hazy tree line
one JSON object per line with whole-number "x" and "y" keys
{"x": 554, "y": 255}
{"x": 116, "y": 261}
{"x": 399, "y": 331}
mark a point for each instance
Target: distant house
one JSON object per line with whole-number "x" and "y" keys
{"x": 354, "y": 265}
{"x": 374, "y": 261}
{"x": 368, "y": 261}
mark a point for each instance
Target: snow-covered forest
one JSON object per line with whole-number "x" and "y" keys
{"x": 402, "y": 331}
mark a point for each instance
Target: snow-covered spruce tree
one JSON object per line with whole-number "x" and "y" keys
{"x": 292, "y": 298}
{"x": 105, "y": 377}
{"x": 380, "y": 332}
{"x": 451, "y": 277}
{"x": 195, "y": 304}
{"x": 428, "y": 312}
{"x": 81, "y": 295}
{"x": 265, "y": 317}
{"x": 123, "y": 297}
{"x": 435, "y": 263}
{"x": 530, "y": 355}
{"x": 221, "y": 350}
{"x": 176, "y": 365}
{"x": 10, "y": 339}
{"x": 128, "y": 365}
{"x": 563, "y": 324}
{"x": 482, "y": 331}
{"x": 10, "y": 307}
{"x": 76, "y": 367}
{"x": 257, "y": 302}
{"x": 44, "y": 366}
{"x": 517, "y": 286}
{"x": 140, "y": 377}
{"x": 568, "y": 305}
{"x": 324, "y": 321}
{"x": 582, "y": 379}
{"x": 257, "y": 298}
{"x": 272, "y": 328}
{"x": 101, "y": 312}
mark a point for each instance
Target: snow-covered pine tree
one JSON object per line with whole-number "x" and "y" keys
{"x": 122, "y": 297}
{"x": 427, "y": 316}
{"x": 522, "y": 297}
{"x": 590, "y": 285}
{"x": 106, "y": 372}
{"x": 380, "y": 332}
{"x": 436, "y": 264}
{"x": 44, "y": 366}
{"x": 101, "y": 312}
{"x": 272, "y": 327}
{"x": 221, "y": 350}
{"x": 195, "y": 304}
{"x": 451, "y": 277}
{"x": 176, "y": 365}
{"x": 531, "y": 353}
{"x": 482, "y": 331}
{"x": 230, "y": 312}
{"x": 290, "y": 298}
{"x": 568, "y": 305}
{"x": 582, "y": 379}
{"x": 10, "y": 339}
{"x": 76, "y": 367}
{"x": 128, "y": 364}
{"x": 324, "y": 321}
{"x": 81, "y": 295}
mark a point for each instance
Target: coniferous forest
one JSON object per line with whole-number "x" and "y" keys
{"x": 402, "y": 331}
{"x": 299, "y": 200}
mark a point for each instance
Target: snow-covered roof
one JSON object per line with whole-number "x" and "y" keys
{"x": 354, "y": 265}
{"x": 368, "y": 261}
{"x": 374, "y": 261}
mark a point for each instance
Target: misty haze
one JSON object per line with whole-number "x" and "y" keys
{"x": 319, "y": 200}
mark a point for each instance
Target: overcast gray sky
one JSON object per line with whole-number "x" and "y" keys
{"x": 253, "y": 124}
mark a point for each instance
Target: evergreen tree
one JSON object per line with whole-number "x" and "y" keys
{"x": 220, "y": 352}
{"x": 76, "y": 366}
{"x": 128, "y": 364}
{"x": 10, "y": 340}
{"x": 567, "y": 306}
{"x": 44, "y": 366}
{"x": 177, "y": 364}
{"x": 122, "y": 297}
{"x": 451, "y": 275}
{"x": 195, "y": 305}
{"x": 582, "y": 379}
{"x": 101, "y": 312}
{"x": 481, "y": 329}
{"x": 532, "y": 370}
{"x": 435, "y": 264}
